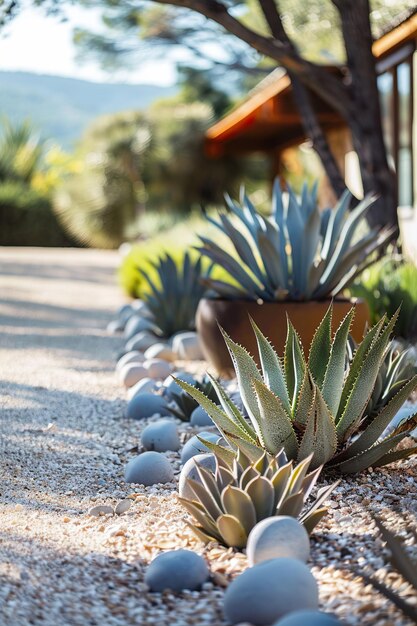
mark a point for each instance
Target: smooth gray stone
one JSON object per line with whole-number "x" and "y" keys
{"x": 132, "y": 373}
{"x": 137, "y": 324}
{"x": 194, "y": 446}
{"x": 146, "y": 385}
{"x": 125, "y": 313}
{"x": 177, "y": 570}
{"x": 114, "y": 327}
{"x": 187, "y": 346}
{"x": 206, "y": 460}
{"x": 269, "y": 591}
{"x": 172, "y": 387}
{"x": 149, "y": 468}
{"x": 161, "y": 436}
{"x": 308, "y": 618}
{"x": 277, "y": 537}
{"x": 130, "y": 357}
{"x": 146, "y": 405}
{"x": 200, "y": 417}
{"x": 158, "y": 368}
{"x": 161, "y": 351}
{"x": 141, "y": 341}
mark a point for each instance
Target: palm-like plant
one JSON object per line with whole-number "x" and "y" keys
{"x": 298, "y": 253}
{"x": 241, "y": 493}
{"x": 313, "y": 407}
{"x": 173, "y": 299}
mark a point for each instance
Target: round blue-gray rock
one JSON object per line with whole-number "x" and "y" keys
{"x": 200, "y": 417}
{"x": 278, "y": 537}
{"x": 161, "y": 436}
{"x": 177, "y": 570}
{"x": 149, "y": 468}
{"x": 173, "y": 387}
{"x": 194, "y": 445}
{"x": 269, "y": 591}
{"x": 308, "y": 618}
{"x": 207, "y": 461}
{"x": 145, "y": 405}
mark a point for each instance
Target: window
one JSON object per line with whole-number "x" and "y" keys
{"x": 395, "y": 87}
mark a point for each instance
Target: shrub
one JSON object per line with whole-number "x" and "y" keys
{"x": 386, "y": 286}
{"x": 27, "y": 218}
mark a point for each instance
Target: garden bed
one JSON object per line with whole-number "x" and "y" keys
{"x": 65, "y": 443}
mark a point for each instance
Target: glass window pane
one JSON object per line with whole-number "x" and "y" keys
{"x": 386, "y": 87}
{"x": 405, "y": 161}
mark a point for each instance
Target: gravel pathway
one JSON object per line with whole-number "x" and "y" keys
{"x": 64, "y": 442}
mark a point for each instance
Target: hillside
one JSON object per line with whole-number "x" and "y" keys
{"x": 60, "y": 107}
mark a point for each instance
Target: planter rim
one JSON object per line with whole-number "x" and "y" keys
{"x": 352, "y": 300}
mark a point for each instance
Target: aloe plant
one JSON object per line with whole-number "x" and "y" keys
{"x": 185, "y": 404}
{"x": 405, "y": 565}
{"x": 241, "y": 493}
{"x": 314, "y": 406}
{"x": 297, "y": 253}
{"x": 173, "y": 300}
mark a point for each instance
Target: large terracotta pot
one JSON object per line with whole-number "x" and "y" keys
{"x": 271, "y": 317}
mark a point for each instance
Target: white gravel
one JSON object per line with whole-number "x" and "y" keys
{"x": 64, "y": 443}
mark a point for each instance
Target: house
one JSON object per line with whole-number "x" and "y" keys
{"x": 268, "y": 122}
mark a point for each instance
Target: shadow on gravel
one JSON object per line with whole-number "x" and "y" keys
{"x": 79, "y": 272}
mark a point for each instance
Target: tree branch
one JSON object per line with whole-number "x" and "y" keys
{"x": 317, "y": 78}
{"x": 302, "y": 98}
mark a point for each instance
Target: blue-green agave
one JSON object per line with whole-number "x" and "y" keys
{"x": 297, "y": 253}
{"x": 229, "y": 502}
{"x": 173, "y": 300}
{"x": 315, "y": 406}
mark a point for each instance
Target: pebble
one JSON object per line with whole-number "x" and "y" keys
{"x": 145, "y": 385}
{"x": 146, "y": 405}
{"x": 177, "y": 570}
{"x": 207, "y": 460}
{"x": 161, "y": 436}
{"x": 158, "y": 368}
{"x": 278, "y": 537}
{"x": 161, "y": 351}
{"x": 269, "y": 591}
{"x": 136, "y": 324}
{"x": 123, "y": 506}
{"x": 172, "y": 387}
{"x": 149, "y": 468}
{"x": 200, "y": 417}
{"x": 130, "y": 357}
{"x": 141, "y": 342}
{"x": 194, "y": 445}
{"x": 101, "y": 509}
{"x": 308, "y": 618}
{"x": 187, "y": 346}
{"x": 131, "y": 373}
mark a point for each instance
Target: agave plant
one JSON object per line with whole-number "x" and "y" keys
{"x": 241, "y": 493}
{"x": 185, "y": 404}
{"x": 173, "y": 302}
{"x": 405, "y": 565}
{"x": 298, "y": 253}
{"x": 314, "y": 406}
{"x": 395, "y": 370}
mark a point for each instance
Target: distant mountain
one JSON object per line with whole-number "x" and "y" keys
{"x": 60, "y": 108}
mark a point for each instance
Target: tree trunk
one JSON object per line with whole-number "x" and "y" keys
{"x": 364, "y": 118}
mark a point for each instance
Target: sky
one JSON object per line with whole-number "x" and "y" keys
{"x": 34, "y": 42}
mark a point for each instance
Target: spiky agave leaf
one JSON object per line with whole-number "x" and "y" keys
{"x": 404, "y": 564}
{"x": 299, "y": 252}
{"x": 173, "y": 299}
{"x": 314, "y": 407}
{"x": 228, "y": 504}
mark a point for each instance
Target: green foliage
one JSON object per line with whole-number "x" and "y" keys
{"x": 174, "y": 300}
{"x": 386, "y": 286}
{"x": 186, "y": 404}
{"x": 298, "y": 253}
{"x": 241, "y": 493}
{"x": 314, "y": 406}
{"x": 26, "y": 218}
{"x": 404, "y": 564}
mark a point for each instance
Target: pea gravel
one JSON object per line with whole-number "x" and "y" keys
{"x": 64, "y": 443}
